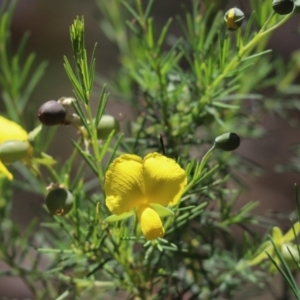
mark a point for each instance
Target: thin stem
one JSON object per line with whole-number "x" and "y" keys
{"x": 240, "y": 54}
{"x": 200, "y": 169}
{"x": 95, "y": 144}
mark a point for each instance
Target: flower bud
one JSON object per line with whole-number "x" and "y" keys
{"x": 297, "y": 6}
{"x": 12, "y": 151}
{"x": 59, "y": 201}
{"x": 234, "y": 18}
{"x": 227, "y": 141}
{"x": 52, "y": 113}
{"x": 283, "y": 7}
{"x": 106, "y": 125}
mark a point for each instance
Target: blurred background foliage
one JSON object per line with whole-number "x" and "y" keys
{"x": 262, "y": 106}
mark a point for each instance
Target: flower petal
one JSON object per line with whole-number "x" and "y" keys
{"x": 124, "y": 184}
{"x": 263, "y": 255}
{"x": 277, "y": 236}
{"x": 5, "y": 172}
{"x": 116, "y": 218}
{"x": 12, "y": 131}
{"x": 164, "y": 179}
{"x": 150, "y": 221}
{"x": 161, "y": 210}
{"x": 292, "y": 233}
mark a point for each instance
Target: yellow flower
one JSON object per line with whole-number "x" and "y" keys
{"x": 133, "y": 183}
{"x": 284, "y": 245}
{"x": 10, "y": 131}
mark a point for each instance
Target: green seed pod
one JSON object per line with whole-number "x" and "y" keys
{"x": 12, "y": 151}
{"x": 227, "y": 141}
{"x": 59, "y": 201}
{"x": 106, "y": 125}
{"x": 52, "y": 113}
{"x": 283, "y": 7}
{"x": 234, "y": 18}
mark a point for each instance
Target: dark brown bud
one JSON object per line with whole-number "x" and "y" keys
{"x": 234, "y": 18}
{"x": 59, "y": 201}
{"x": 227, "y": 141}
{"x": 52, "y": 113}
{"x": 283, "y": 7}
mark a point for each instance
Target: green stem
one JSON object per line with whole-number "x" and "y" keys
{"x": 53, "y": 173}
{"x": 236, "y": 60}
{"x": 95, "y": 144}
{"x": 199, "y": 170}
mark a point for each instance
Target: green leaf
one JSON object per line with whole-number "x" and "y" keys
{"x": 224, "y": 105}
{"x": 106, "y": 145}
{"x": 132, "y": 11}
{"x": 115, "y": 218}
{"x": 32, "y": 83}
{"x": 256, "y": 55}
{"x": 161, "y": 210}
{"x": 101, "y": 105}
{"x": 32, "y": 134}
{"x": 163, "y": 35}
{"x": 114, "y": 150}
{"x": 43, "y": 159}
{"x": 292, "y": 233}
{"x": 87, "y": 157}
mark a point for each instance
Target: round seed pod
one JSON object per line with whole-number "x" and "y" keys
{"x": 12, "y": 151}
{"x": 106, "y": 125}
{"x": 59, "y": 201}
{"x": 283, "y": 7}
{"x": 234, "y": 18}
{"x": 227, "y": 141}
{"x": 297, "y": 6}
{"x": 52, "y": 113}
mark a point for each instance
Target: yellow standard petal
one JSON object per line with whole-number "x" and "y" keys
{"x": 150, "y": 222}
{"x": 11, "y": 131}
{"x": 124, "y": 184}
{"x": 5, "y": 172}
{"x": 164, "y": 179}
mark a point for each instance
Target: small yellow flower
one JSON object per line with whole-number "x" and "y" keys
{"x": 284, "y": 245}
{"x": 133, "y": 183}
{"x": 10, "y": 131}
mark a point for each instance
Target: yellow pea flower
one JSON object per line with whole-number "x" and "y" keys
{"x": 284, "y": 245}
{"x": 10, "y": 130}
{"x": 133, "y": 183}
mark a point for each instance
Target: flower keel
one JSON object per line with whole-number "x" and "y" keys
{"x": 150, "y": 222}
